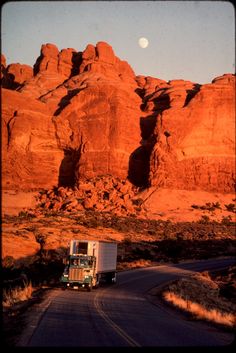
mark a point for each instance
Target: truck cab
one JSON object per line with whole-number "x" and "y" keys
{"x": 79, "y": 272}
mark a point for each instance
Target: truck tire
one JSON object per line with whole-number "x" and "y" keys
{"x": 111, "y": 278}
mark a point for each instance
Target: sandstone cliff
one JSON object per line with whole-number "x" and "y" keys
{"x": 79, "y": 115}
{"x": 192, "y": 140}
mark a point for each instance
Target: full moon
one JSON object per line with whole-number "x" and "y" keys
{"x": 143, "y": 42}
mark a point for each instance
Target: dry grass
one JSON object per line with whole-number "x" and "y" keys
{"x": 201, "y": 296}
{"x": 200, "y": 311}
{"x": 16, "y": 295}
{"x": 134, "y": 264}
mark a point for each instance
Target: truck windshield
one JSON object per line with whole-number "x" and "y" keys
{"x": 82, "y": 262}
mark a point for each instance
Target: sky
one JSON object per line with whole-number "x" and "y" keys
{"x": 190, "y": 40}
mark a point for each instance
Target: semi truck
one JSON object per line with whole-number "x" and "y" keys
{"x": 89, "y": 263}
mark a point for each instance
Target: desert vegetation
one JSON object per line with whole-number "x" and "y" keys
{"x": 35, "y": 241}
{"x": 212, "y": 206}
{"x": 139, "y": 240}
{"x": 206, "y": 296}
{"x": 14, "y": 295}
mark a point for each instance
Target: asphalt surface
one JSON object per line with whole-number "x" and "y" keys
{"x": 122, "y": 315}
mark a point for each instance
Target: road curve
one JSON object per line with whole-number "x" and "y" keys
{"x": 120, "y": 315}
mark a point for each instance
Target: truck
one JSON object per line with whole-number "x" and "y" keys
{"x": 89, "y": 263}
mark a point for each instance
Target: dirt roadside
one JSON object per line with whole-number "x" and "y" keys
{"x": 20, "y": 320}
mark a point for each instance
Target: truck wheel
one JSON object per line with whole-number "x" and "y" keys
{"x": 111, "y": 278}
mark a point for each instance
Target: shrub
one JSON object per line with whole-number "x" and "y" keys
{"x": 231, "y": 207}
{"x": 209, "y": 206}
{"x": 226, "y": 220}
{"x": 137, "y": 202}
{"x": 204, "y": 220}
{"x": 8, "y": 262}
{"x": 25, "y": 215}
{"x": 216, "y": 205}
{"x": 16, "y": 295}
{"x": 195, "y": 206}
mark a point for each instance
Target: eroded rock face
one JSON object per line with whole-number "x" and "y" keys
{"x": 30, "y": 155}
{"x": 51, "y": 69}
{"x": 3, "y": 71}
{"x": 195, "y": 144}
{"x": 101, "y": 59}
{"x": 78, "y": 115}
{"x": 14, "y": 76}
{"x": 61, "y": 126}
{"x": 96, "y": 116}
{"x": 100, "y": 126}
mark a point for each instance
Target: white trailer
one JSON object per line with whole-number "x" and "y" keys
{"x": 89, "y": 263}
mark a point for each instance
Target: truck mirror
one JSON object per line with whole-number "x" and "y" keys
{"x": 65, "y": 262}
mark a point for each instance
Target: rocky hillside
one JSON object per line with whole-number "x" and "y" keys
{"x": 76, "y": 116}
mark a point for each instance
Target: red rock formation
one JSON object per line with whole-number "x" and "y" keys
{"x": 48, "y": 59}
{"x": 30, "y": 155}
{"x": 106, "y": 108}
{"x": 18, "y": 74}
{"x": 101, "y": 59}
{"x": 3, "y": 70}
{"x": 51, "y": 69}
{"x": 14, "y": 75}
{"x": 80, "y": 115}
{"x": 53, "y": 61}
{"x": 90, "y": 124}
{"x": 195, "y": 145}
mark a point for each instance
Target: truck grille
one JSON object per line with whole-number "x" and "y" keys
{"x": 76, "y": 274}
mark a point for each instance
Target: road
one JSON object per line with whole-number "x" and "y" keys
{"x": 122, "y": 315}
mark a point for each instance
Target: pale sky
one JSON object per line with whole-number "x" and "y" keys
{"x": 191, "y": 40}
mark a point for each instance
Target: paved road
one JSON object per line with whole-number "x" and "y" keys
{"x": 121, "y": 315}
